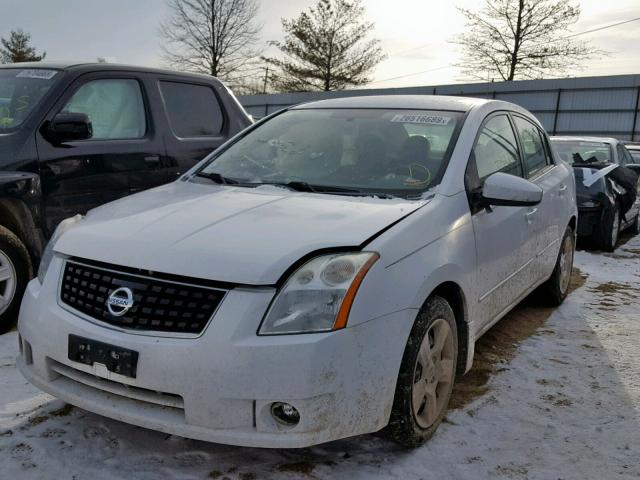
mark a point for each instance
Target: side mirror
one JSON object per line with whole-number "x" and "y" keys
{"x": 502, "y": 189}
{"x": 68, "y": 127}
{"x": 634, "y": 166}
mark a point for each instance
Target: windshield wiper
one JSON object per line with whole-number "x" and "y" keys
{"x": 301, "y": 186}
{"x": 217, "y": 178}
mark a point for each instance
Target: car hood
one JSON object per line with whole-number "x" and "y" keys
{"x": 232, "y": 234}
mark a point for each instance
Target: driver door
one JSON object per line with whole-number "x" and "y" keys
{"x": 505, "y": 236}
{"x": 80, "y": 175}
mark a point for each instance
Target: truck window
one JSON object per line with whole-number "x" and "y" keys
{"x": 21, "y": 90}
{"x": 114, "y": 106}
{"x": 193, "y": 110}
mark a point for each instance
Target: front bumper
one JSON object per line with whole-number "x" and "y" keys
{"x": 219, "y": 387}
{"x": 588, "y": 219}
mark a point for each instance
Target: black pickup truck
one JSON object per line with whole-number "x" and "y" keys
{"x": 75, "y": 136}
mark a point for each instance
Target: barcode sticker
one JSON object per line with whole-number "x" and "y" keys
{"x": 38, "y": 74}
{"x": 424, "y": 119}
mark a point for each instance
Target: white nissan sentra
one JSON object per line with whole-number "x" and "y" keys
{"x": 324, "y": 274}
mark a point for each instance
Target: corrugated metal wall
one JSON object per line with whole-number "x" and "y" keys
{"x": 602, "y": 106}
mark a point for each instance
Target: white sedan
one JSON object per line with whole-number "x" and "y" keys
{"x": 326, "y": 273}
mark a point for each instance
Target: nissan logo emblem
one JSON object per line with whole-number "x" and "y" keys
{"x": 120, "y": 301}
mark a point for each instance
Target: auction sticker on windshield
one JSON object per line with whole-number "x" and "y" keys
{"x": 414, "y": 118}
{"x": 38, "y": 74}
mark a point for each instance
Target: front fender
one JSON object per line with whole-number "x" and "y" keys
{"x": 21, "y": 207}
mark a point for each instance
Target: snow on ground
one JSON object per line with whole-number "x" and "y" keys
{"x": 562, "y": 402}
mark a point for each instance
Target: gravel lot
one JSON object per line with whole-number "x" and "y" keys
{"x": 553, "y": 394}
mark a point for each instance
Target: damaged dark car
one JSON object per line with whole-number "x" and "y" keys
{"x": 606, "y": 187}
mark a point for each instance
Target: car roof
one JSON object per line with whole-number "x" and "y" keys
{"x": 85, "y": 67}
{"x": 585, "y": 139}
{"x": 402, "y": 102}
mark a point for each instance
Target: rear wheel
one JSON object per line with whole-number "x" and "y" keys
{"x": 15, "y": 272}
{"x": 609, "y": 230}
{"x": 635, "y": 226}
{"x": 557, "y": 287}
{"x": 426, "y": 375}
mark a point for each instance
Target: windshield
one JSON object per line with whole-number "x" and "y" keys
{"x": 635, "y": 154}
{"x": 397, "y": 152}
{"x": 20, "y": 91}
{"x": 578, "y": 151}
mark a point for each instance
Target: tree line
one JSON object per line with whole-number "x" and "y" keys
{"x": 330, "y": 45}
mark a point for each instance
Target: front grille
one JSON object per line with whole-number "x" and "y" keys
{"x": 159, "y": 305}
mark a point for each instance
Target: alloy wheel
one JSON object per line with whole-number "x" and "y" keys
{"x": 566, "y": 263}
{"x": 615, "y": 227}
{"x": 7, "y": 282}
{"x": 433, "y": 373}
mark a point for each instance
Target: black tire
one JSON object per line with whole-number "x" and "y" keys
{"x": 403, "y": 427}
{"x": 12, "y": 248}
{"x": 556, "y": 288}
{"x": 635, "y": 226}
{"x": 606, "y": 233}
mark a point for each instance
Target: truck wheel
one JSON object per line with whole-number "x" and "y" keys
{"x": 426, "y": 375}
{"x": 557, "y": 287}
{"x": 609, "y": 230}
{"x": 15, "y": 272}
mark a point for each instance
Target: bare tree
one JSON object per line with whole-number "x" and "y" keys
{"x": 325, "y": 48}
{"x": 511, "y": 39}
{"x": 17, "y": 49}
{"x": 215, "y": 37}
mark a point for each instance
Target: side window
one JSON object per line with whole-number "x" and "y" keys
{"x": 496, "y": 149}
{"x": 114, "y": 106}
{"x": 193, "y": 110}
{"x": 624, "y": 157}
{"x": 621, "y": 159}
{"x": 627, "y": 155}
{"x": 535, "y": 155}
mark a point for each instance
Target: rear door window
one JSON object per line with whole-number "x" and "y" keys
{"x": 114, "y": 106}
{"x": 533, "y": 147}
{"x": 193, "y": 110}
{"x": 496, "y": 149}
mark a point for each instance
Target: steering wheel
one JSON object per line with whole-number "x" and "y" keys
{"x": 416, "y": 182}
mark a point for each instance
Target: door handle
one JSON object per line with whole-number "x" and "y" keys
{"x": 530, "y": 215}
{"x": 152, "y": 159}
{"x": 562, "y": 190}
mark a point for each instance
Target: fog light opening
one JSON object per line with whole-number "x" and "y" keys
{"x": 285, "y": 414}
{"x": 27, "y": 355}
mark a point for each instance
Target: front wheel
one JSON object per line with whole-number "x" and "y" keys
{"x": 557, "y": 287}
{"x": 635, "y": 226}
{"x": 15, "y": 272}
{"x": 609, "y": 231}
{"x": 426, "y": 375}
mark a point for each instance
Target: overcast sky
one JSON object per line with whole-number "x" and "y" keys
{"x": 415, "y": 34}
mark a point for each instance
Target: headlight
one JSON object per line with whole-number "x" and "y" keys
{"x": 318, "y": 296}
{"x": 47, "y": 255}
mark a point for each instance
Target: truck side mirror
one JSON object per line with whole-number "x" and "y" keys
{"x": 68, "y": 127}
